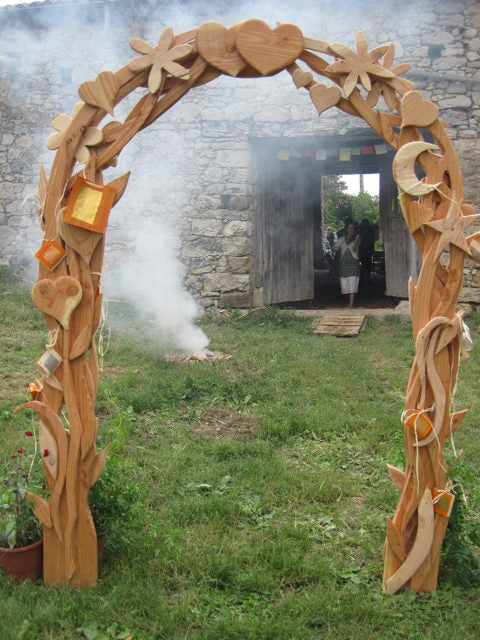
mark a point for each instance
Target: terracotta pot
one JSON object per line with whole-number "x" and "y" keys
{"x": 23, "y": 563}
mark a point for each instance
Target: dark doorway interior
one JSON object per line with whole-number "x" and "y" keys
{"x": 289, "y": 259}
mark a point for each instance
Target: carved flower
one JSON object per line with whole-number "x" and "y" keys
{"x": 358, "y": 65}
{"x": 90, "y": 138}
{"x": 160, "y": 58}
{"x": 383, "y": 88}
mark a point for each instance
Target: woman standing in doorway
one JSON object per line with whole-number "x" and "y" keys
{"x": 347, "y": 246}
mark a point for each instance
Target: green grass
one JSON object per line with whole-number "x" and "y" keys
{"x": 272, "y": 533}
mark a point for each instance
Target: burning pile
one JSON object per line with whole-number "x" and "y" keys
{"x": 205, "y": 356}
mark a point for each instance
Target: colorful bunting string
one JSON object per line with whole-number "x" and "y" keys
{"x": 343, "y": 154}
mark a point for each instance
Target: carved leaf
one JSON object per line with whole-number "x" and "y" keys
{"x": 82, "y": 343}
{"x": 41, "y": 508}
{"x": 98, "y": 466}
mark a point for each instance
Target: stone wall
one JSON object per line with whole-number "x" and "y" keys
{"x": 192, "y": 171}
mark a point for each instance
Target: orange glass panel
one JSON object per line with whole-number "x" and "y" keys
{"x": 420, "y": 423}
{"x": 50, "y": 254}
{"x": 89, "y": 204}
{"x": 442, "y": 502}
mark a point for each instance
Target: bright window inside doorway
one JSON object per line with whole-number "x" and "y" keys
{"x": 371, "y": 183}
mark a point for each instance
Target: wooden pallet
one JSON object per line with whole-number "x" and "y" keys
{"x": 342, "y": 326}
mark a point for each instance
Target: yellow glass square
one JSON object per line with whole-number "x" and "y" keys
{"x": 87, "y": 204}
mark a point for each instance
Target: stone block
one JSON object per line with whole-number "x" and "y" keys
{"x": 272, "y": 113}
{"x": 201, "y": 247}
{"x": 470, "y": 294}
{"x": 25, "y": 142}
{"x": 442, "y": 37}
{"x": 402, "y": 311}
{"x": 211, "y": 113}
{"x": 6, "y": 237}
{"x": 455, "y": 117}
{"x": 236, "y": 228}
{"x": 449, "y": 63}
{"x": 226, "y": 282}
{"x": 201, "y": 265}
{"x": 238, "y": 265}
{"x": 239, "y": 203}
{"x": 235, "y": 299}
{"x": 241, "y": 110}
{"x": 475, "y": 277}
{"x": 455, "y": 102}
{"x": 206, "y": 227}
{"x": 236, "y": 246}
{"x": 205, "y": 202}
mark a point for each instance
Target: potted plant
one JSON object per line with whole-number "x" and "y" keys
{"x": 20, "y": 531}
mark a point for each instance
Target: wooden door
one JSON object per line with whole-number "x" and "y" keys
{"x": 284, "y": 231}
{"x": 402, "y": 258}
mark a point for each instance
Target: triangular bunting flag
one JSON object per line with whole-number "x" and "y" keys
{"x": 380, "y": 149}
{"x": 367, "y": 150}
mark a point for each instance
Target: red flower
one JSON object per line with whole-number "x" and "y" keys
{"x": 44, "y": 486}
{"x": 25, "y": 475}
{"x": 20, "y": 450}
{"x": 29, "y": 433}
{"x": 46, "y": 453}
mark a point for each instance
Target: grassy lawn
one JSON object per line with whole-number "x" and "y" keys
{"x": 261, "y": 488}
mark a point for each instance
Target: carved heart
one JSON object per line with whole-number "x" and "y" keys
{"x": 302, "y": 78}
{"x": 58, "y": 298}
{"x": 101, "y": 92}
{"x": 324, "y": 97}
{"x": 268, "y": 50}
{"x": 416, "y": 111}
{"x": 217, "y": 46}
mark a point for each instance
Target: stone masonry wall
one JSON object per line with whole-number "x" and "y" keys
{"x": 192, "y": 170}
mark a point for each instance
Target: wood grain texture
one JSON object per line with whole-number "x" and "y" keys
{"x": 269, "y": 50}
{"x": 57, "y": 298}
{"x": 70, "y": 543}
{"x": 81, "y": 240}
{"x": 421, "y": 546}
{"x": 101, "y": 92}
{"x": 302, "y": 78}
{"x": 416, "y": 111}
{"x": 217, "y": 45}
{"x": 324, "y": 97}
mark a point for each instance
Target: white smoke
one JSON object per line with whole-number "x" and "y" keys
{"x": 148, "y": 219}
{"x": 151, "y": 279}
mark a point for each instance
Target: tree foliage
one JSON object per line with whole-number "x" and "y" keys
{"x": 338, "y": 205}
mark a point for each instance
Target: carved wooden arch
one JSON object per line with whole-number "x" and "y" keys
{"x": 69, "y": 293}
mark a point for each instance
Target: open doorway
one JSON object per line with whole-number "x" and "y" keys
{"x": 292, "y": 212}
{"x": 350, "y": 197}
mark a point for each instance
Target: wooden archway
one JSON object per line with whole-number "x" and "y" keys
{"x": 74, "y": 212}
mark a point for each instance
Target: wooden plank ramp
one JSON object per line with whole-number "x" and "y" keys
{"x": 339, "y": 325}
